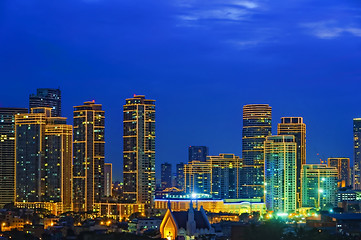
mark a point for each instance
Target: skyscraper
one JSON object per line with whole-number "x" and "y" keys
{"x": 139, "y": 150}
{"x": 88, "y": 160}
{"x": 47, "y": 97}
{"x": 166, "y": 175}
{"x": 225, "y": 176}
{"x": 180, "y": 176}
{"x": 197, "y": 153}
{"x": 280, "y": 173}
{"x": 343, "y": 169}
{"x": 295, "y": 126}
{"x": 197, "y": 177}
{"x": 319, "y": 186}
{"x": 257, "y": 125}
{"x": 357, "y": 153}
{"x": 7, "y": 154}
{"x": 108, "y": 179}
{"x": 43, "y": 159}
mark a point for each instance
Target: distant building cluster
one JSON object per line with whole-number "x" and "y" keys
{"x": 45, "y": 163}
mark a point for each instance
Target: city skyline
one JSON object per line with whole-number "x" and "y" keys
{"x": 201, "y": 60}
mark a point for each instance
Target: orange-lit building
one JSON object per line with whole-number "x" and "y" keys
{"x": 343, "y": 169}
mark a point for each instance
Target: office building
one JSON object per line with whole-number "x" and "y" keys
{"x": 281, "y": 173}
{"x": 108, "y": 179}
{"x": 43, "y": 159}
{"x": 357, "y": 153}
{"x": 295, "y": 126}
{"x": 7, "y": 154}
{"x": 197, "y": 153}
{"x": 197, "y": 177}
{"x": 180, "y": 176}
{"x": 257, "y": 125}
{"x": 139, "y": 150}
{"x": 166, "y": 175}
{"x": 47, "y": 97}
{"x": 319, "y": 186}
{"x": 343, "y": 169}
{"x": 219, "y": 176}
{"x": 88, "y": 160}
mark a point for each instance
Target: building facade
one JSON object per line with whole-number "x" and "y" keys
{"x": 343, "y": 169}
{"x": 139, "y": 150}
{"x": 197, "y": 153}
{"x": 180, "y": 176}
{"x": 357, "y": 153}
{"x": 47, "y": 97}
{"x": 197, "y": 177}
{"x": 108, "y": 179}
{"x": 319, "y": 186}
{"x": 7, "y": 154}
{"x": 43, "y": 159}
{"x": 88, "y": 159}
{"x": 295, "y": 126}
{"x": 280, "y": 173}
{"x": 166, "y": 175}
{"x": 257, "y": 125}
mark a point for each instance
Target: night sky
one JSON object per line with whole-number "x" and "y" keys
{"x": 202, "y": 60}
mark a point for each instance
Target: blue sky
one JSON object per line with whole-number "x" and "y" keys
{"x": 201, "y": 60}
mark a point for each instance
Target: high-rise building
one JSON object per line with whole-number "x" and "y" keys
{"x": 319, "y": 186}
{"x": 197, "y": 177}
{"x": 180, "y": 176}
{"x": 295, "y": 126}
{"x": 197, "y": 153}
{"x": 343, "y": 169}
{"x": 47, "y": 97}
{"x": 88, "y": 159}
{"x": 166, "y": 175}
{"x": 43, "y": 159}
{"x": 139, "y": 150}
{"x": 257, "y": 125}
{"x": 357, "y": 153}
{"x": 280, "y": 173}
{"x": 218, "y": 176}
{"x": 108, "y": 179}
{"x": 225, "y": 176}
{"x": 7, "y": 154}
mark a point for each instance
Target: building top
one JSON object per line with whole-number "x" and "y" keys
{"x": 89, "y": 105}
{"x": 256, "y": 111}
{"x": 281, "y": 138}
{"x": 139, "y": 99}
{"x": 292, "y": 120}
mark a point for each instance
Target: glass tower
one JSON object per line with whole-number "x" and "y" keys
{"x": 43, "y": 159}
{"x": 343, "y": 169}
{"x": 295, "y": 126}
{"x": 357, "y": 153}
{"x": 197, "y": 153}
{"x": 319, "y": 186}
{"x": 257, "y": 125}
{"x": 7, "y": 154}
{"x": 47, "y": 97}
{"x": 180, "y": 176}
{"x": 280, "y": 173}
{"x": 166, "y": 175}
{"x": 88, "y": 159}
{"x": 108, "y": 179}
{"x": 139, "y": 150}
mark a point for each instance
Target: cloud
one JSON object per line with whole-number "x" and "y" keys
{"x": 330, "y": 29}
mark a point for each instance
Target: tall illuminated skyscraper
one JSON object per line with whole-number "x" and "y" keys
{"x": 280, "y": 173}
{"x": 197, "y": 153}
{"x": 295, "y": 126}
{"x": 47, "y": 97}
{"x": 319, "y": 185}
{"x": 88, "y": 160}
{"x": 7, "y": 154}
{"x": 257, "y": 125}
{"x": 357, "y": 153}
{"x": 43, "y": 159}
{"x": 343, "y": 168}
{"x": 139, "y": 150}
